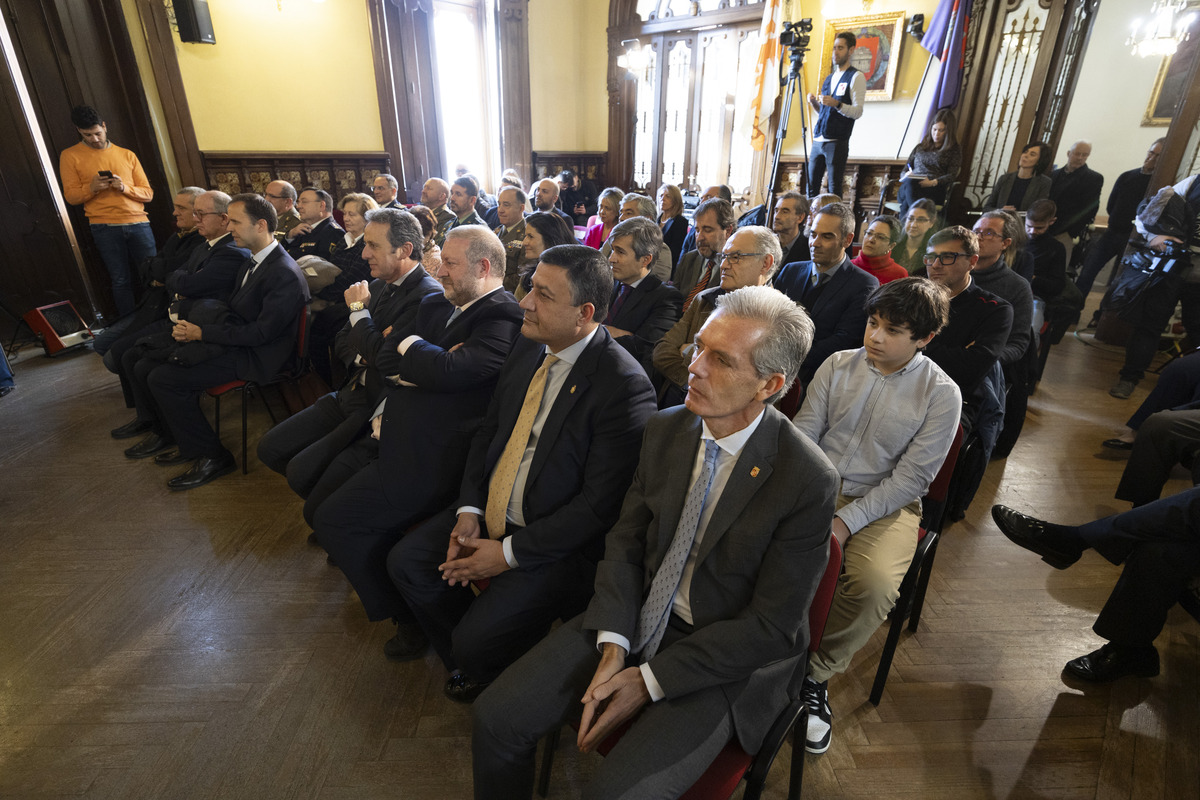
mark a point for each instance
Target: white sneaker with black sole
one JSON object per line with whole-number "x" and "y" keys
{"x": 820, "y": 718}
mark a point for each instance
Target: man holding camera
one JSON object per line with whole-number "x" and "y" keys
{"x": 108, "y": 181}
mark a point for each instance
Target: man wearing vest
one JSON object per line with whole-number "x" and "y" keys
{"x": 840, "y": 103}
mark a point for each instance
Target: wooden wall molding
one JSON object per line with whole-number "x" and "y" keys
{"x": 590, "y": 165}
{"x": 337, "y": 173}
{"x": 516, "y": 118}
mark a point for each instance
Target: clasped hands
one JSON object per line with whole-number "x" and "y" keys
{"x": 185, "y": 331}
{"x": 615, "y": 694}
{"x": 471, "y": 556}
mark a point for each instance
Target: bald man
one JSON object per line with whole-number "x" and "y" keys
{"x": 282, "y": 195}
{"x": 436, "y": 194}
{"x": 545, "y": 198}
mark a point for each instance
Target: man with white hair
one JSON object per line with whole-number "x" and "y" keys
{"x": 1075, "y": 188}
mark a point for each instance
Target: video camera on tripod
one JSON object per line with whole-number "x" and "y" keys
{"x": 795, "y": 36}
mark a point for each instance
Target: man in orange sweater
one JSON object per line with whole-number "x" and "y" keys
{"x": 110, "y": 184}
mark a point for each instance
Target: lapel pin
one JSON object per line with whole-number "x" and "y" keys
{"x": 572, "y": 390}
{"x": 754, "y": 472}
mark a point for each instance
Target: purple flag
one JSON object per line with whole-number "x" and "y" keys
{"x": 946, "y": 40}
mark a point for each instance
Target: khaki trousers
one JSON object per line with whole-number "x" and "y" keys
{"x": 874, "y": 564}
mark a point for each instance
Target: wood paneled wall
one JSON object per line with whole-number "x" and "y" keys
{"x": 337, "y": 173}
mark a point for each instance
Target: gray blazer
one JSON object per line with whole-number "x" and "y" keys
{"x": 758, "y": 566}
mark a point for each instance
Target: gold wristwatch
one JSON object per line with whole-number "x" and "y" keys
{"x": 357, "y": 306}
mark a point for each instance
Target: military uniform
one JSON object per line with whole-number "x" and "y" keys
{"x": 321, "y": 241}
{"x": 514, "y": 249}
{"x": 287, "y": 220}
{"x": 445, "y": 217}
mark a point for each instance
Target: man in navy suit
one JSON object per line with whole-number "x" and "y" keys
{"x": 269, "y": 295}
{"x": 303, "y": 445}
{"x": 830, "y": 288}
{"x": 642, "y": 308}
{"x": 1159, "y": 545}
{"x": 698, "y": 619}
{"x": 544, "y": 480}
{"x": 443, "y": 369}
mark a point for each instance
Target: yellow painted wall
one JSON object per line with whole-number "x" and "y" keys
{"x": 878, "y": 132}
{"x": 297, "y": 79}
{"x": 568, "y": 63}
{"x": 141, "y": 53}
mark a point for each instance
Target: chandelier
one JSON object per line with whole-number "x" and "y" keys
{"x": 1163, "y": 31}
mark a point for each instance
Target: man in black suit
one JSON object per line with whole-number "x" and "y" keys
{"x": 830, "y": 288}
{"x": 1075, "y": 188}
{"x": 385, "y": 188}
{"x": 1159, "y": 546}
{"x": 317, "y": 234}
{"x": 304, "y": 445}
{"x": 543, "y": 483}
{"x": 270, "y": 294}
{"x": 642, "y": 308}
{"x": 464, "y": 194}
{"x": 791, "y": 212}
{"x": 209, "y": 274}
{"x": 698, "y": 620}
{"x": 444, "y": 367}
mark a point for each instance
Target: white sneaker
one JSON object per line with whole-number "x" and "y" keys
{"x": 820, "y": 718}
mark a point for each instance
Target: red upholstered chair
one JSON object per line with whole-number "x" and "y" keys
{"x": 217, "y": 392}
{"x": 916, "y": 580}
{"x": 733, "y": 763}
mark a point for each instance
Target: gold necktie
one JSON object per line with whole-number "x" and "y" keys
{"x": 504, "y": 476}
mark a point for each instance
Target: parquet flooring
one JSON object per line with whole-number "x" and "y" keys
{"x": 159, "y": 645}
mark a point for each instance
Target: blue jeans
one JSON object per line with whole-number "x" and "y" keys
{"x": 123, "y": 248}
{"x": 6, "y": 378}
{"x": 831, "y": 156}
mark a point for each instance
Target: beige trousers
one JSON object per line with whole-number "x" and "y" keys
{"x": 874, "y": 564}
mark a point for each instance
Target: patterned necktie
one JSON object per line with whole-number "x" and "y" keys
{"x": 504, "y": 476}
{"x": 652, "y": 623}
{"x": 701, "y": 284}
{"x": 622, "y": 293}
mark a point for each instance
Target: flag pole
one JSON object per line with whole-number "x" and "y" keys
{"x": 913, "y": 112}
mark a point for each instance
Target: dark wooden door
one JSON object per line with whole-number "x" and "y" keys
{"x": 69, "y": 52}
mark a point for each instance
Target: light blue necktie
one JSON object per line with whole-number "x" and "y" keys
{"x": 652, "y": 623}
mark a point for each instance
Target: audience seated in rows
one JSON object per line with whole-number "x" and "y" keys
{"x": 710, "y": 193}
{"x": 318, "y": 234}
{"x": 639, "y": 205}
{"x": 543, "y": 483}
{"x": 304, "y": 446}
{"x": 700, "y": 269}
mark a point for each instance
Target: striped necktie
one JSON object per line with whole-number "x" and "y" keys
{"x": 701, "y": 284}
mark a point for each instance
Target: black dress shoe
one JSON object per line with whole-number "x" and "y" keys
{"x": 461, "y": 689}
{"x": 149, "y": 446}
{"x": 205, "y": 470}
{"x": 408, "y": 644}
{"x": 130, "y": 429}
{"x": 1117, "y": 444}
{"x": 1058, "y": 545}
{"x": 169, "y": 458}
{"x": 1114, "y": 661}
{"x": 4, "y": 390}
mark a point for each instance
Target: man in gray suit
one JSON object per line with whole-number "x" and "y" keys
{"x": 698, "y": 618}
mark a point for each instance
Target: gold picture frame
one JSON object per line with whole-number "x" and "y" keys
{"x": 1170, "y": 86}
{"x": 877, "y": 54}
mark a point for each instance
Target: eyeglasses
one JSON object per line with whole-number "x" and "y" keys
{"x": 988, "y": 233}
{"x": 874, "y": 235}
{"x": 946, "y": 259}
{"x": 276, "y": 196}
{"x": 921, "y": 220}
{"x": 736, "y": 258}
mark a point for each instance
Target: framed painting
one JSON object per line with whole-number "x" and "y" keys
{"x": 1171, "y": 84}
{"x": 877, "y": 54}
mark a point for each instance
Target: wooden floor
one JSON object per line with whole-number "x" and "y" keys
{"x": 159, "y": 645}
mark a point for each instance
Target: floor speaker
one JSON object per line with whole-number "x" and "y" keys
{"x": 58, "y": 327}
